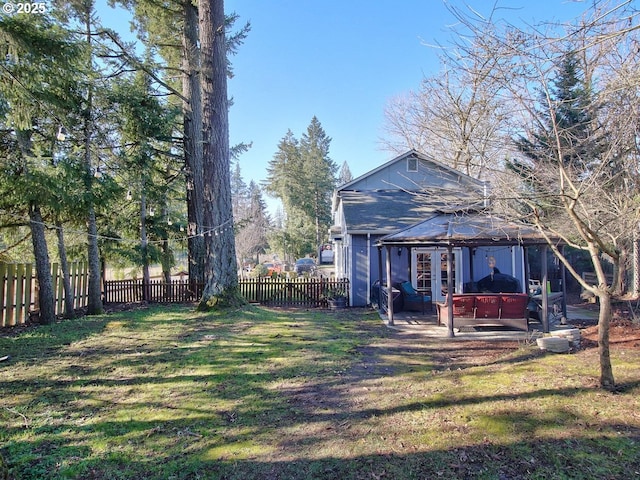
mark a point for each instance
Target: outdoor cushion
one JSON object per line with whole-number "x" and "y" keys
{"x": 412, "y": 294}
{"x": 514, "y": 306}
{"x": 487, "y": 306}
{"x": 499, "y": 283}
{"x": 463, "y": 306}
{"x": 414, "y": 300}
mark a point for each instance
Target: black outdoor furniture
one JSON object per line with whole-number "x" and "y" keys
{"x": 413, "y": 300}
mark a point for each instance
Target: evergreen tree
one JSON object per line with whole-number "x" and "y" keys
{"x": 302, "y": 175}
{"x": 284, "y": 172}
{"x": 144, "y": 125}
{"x": 345, "y": 174}
{"x": 220, "y": 264}
{"x": 319, "y": 174}
{"x": 37, "y": 87}
{"x": 172, "y": 29}
{"x": 567, "y": 134}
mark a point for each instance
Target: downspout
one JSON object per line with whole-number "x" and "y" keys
{"x": 379, "y": 278}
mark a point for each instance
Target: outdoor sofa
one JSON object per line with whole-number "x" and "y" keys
{"x": 486, "y": 309}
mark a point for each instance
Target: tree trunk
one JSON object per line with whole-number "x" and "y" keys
{"x": 604, "y": 317}
{"x": 94, "y": 302}
{"x": 193, "y": 148}
{"x": 46, "y": 302}
{"x": 69, "y": 311}
{"x": 636, "y": 264}
{"x": 221, "y": 276}
{"x": 144, "y": 246}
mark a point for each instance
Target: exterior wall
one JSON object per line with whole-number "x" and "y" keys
{"x": 364, "y": 268}
{"x": 357, "y": 255}
{"x": 509, "y": 260}
{"x": 396, "y": 177}
{"x": 358, "y": 274}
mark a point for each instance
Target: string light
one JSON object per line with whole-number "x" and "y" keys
{"x": 62, "y": 134}
{"x": 209, "y": 231}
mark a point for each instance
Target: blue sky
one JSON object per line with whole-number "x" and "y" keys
{"x": 342, "y": 61}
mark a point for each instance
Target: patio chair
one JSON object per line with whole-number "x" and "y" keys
{"x": 413, "y": 300}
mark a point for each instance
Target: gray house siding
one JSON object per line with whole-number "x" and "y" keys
{"x": 385, "y": 200}
{"x": 395, "y": 176}
{"x": 363, "y": 251}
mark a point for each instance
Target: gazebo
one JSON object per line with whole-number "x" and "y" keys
{"x": 467, "y": 230}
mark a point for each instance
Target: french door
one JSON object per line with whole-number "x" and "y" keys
{"x": 429, "y": 271}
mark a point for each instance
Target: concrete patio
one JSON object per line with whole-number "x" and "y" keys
{"x": 427, "y": 325}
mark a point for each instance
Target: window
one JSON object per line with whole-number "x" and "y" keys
{"x": 429, "y": 271}
{"x": 412, "y": 164}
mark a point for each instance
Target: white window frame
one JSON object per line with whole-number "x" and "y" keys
{"x": 436, "y": 273}
{"x": 409, "y": 161}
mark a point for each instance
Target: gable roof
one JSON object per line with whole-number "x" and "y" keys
{"x": 463, "y": 178}
{"x": 387, "y": 211}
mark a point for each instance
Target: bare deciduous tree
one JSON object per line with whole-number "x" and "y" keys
{"x": 455, "y": 116}
{"x": 579, "y": 186}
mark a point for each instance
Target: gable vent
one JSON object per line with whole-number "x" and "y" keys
{"x": 412, "y": 164}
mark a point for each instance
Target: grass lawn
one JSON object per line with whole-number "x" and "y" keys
{"x": 170, "y": 393}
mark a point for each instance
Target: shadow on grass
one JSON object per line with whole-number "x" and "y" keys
{"x": 584, "y": 458}
{"x": 169, "y": 393}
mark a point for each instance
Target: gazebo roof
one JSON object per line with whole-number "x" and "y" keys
{"x": 465, "y": 229}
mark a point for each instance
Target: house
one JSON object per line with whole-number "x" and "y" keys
{"x": 402, "y": 192}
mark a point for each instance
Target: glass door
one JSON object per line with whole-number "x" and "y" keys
{"x": 444, "y": 280}
{"x": 423, "y": 272}
{"x": 429, "y": 272}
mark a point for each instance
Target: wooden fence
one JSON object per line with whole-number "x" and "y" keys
{"x": 132, "y": 291}
{"x": 301, "y": 292}
{"x": 298, "y": 292}
{"x": 19, "y": 292}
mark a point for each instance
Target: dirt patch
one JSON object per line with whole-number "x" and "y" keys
{"x": 622, "y": 333}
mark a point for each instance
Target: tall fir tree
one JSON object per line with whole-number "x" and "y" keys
{"x": 345, "y": 175}
{"x": 38, "y": 86}
{"x": 302, "y": 175}
{"x": 319, "y": 173}
{"x": 220, "y": 263}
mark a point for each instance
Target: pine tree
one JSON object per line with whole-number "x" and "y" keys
{"x": 302, "y": 175}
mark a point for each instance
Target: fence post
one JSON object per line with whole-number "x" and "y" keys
{"x": 3, "y": 283}
{"x": 11, "y": 274}
{"x": 20, "y": 309}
